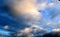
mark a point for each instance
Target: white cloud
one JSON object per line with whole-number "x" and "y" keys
{"x": 42, "y": 6}
{"x": 51, "y": 4}
{"x": 48, "y": 23}
{"x": 6, "y": 27}
{"x": 32, "y": 28}
{"x": 28, "y": 31}
{"x": 56, "y": 30}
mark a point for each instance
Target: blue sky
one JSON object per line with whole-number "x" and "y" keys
{"x": 4, "y": 32}
{"x": 50, "y": 16}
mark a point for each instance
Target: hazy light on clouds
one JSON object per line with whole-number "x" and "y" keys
{"x": 29, "y": 8}
{"x": 29, "y": 11}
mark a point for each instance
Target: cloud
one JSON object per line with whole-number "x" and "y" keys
{"x": 56, "y": 30}
{"x": 51, "y": 5}
{"x": 6, "y": 27}
{"x": 31, "y": 28}
{"x": 42, "y": 6}
{"x": 31, "y": 31}
{"x": 27, "y": 9}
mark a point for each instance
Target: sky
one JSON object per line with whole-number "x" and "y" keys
{"x": 45, "y": 14}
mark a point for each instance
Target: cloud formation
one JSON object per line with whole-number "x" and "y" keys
{"x": 27, "y": 9}
{"x": 31, "y": 31}
{"x": 56, "y": 30}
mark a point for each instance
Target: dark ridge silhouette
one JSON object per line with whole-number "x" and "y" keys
{"x": 59, "y": 0}
{"x": 52, "y": 34}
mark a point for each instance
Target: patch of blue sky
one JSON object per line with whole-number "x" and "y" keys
{"x": 3, "y": 32}
{"x": 57, "y": 18}
{"x": 50, "y": 14}
{"x": 49, "y": 29}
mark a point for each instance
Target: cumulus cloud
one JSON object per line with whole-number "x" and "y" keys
{"x": 31, "y": 31}
{"x": 27, "y": 9}
{"x": 32, "y": 28}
